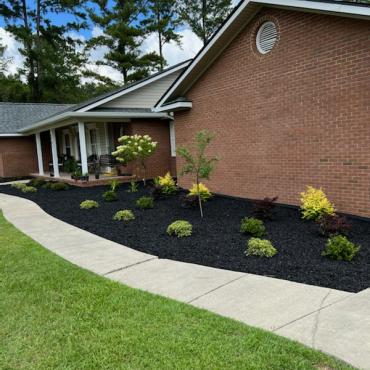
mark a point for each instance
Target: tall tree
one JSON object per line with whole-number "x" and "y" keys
{"x": 52, "y": 59}
{"x": 162, "y": 20}
{"x": 122, "y": 34}
{"x": 204, "y": 16}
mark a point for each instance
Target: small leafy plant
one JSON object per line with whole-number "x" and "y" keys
{"x": 133, "y": 187}
{"x": 180, "y": 228}
{"x": 114, "y": 184}
{"x": 110, "y": 196}
{"x": 167, "y": 184}
{"x": 18, "y": 185}
{"x": 145, "y": 202}
{"x": 263, "y": 208}
{"x": 340, "y": 248}
{"x": 36, "y": 182}
{"x": 59, "y": 186}
{"x": 200, "y": 190}
{"x": 28, "y": 189}
{"x": 334, "y": 225}
{"x": 124, "y": 215}
{"x": 315, "y": 204}
{"x": 260, "y": 247}
{"x": 252, "y": 226}
{"x": 89, "y": 204}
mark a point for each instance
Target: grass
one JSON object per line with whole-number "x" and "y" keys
{"x": 55, "y": 315}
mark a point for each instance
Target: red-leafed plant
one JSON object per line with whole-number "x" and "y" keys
{"x": 263, "y": 209}
{"x": 334, "y": 225}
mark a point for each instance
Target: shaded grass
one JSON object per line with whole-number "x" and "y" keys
{"x": 55, "y": 315}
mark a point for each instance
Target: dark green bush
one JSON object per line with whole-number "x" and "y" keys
{"x": 110, "y": 196}
{"x": 340, "y": 248}
{"x": 180, "y": 228}
{"x": 36, "y": 182}
{"x": 59, "y": 186}
{"x": 260, "y": 247}
{"x": 145, "y": 202}
{"x": 252, "y": 226}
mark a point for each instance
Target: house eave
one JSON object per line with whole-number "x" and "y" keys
{"x": 174, "y": 107}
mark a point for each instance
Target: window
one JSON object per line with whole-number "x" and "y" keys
{"x": 94, "y": 141}
{"x": 266, "y": 37}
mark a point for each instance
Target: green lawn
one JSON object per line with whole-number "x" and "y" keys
{"x": 54, "y": 315}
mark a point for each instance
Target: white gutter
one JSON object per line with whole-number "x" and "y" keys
{"x": 174, "y": 107}
{"x": 81, "y": 115}
{"x": 10, "y": 135}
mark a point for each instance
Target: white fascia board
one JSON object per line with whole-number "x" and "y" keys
{"x": 135, "y": 87}
{"x": 320, "y": 7}
{"x": 11, "y": 135}
{"x": 174, "y": 107}
{"x": 41, "y": 126}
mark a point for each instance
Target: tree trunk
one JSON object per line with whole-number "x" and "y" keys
{"x": 160, "y": 41}
{"x": 199, "y": 198}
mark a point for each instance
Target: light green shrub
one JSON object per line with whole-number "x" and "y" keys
{"x": 89, "y": 204}
{"x": 260, "y": 247}
{"x": 340, "y": 248}
{"x": 124, "y": 215}
{"x": 180, "y": 228}
{"x": 252, "y": 226}
{"x": 315, "y": 204}
{"x": 18, "y": 185}
{"x": 28, "y": 189}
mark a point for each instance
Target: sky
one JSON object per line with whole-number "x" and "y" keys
{"x": 173, "y": 53}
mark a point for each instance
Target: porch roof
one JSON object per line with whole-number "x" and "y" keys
{"x": 68, "y": 117}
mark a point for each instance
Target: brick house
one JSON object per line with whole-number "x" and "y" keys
{"x": 285, "y": 88}
{"x": 36, "y": 139}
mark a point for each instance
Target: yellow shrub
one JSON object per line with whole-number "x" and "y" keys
{"x": 204, "y": 192}
{"x": 315, "y": 204}
{"x": 167, "y": 183}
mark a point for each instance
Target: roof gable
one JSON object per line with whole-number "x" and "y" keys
{"x": 233, "y": 25}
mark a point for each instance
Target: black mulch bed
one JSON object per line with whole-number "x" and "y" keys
{"x": 216, "y": 240}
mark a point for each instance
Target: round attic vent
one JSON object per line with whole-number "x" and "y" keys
{"x": 266, "y": 37}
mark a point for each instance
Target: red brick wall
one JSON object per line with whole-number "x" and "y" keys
{"x": 17, "y": 156}
{"x": 160, "y": 162}
{"x": 298, "y": 116}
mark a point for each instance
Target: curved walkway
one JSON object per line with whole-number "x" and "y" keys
{"x": 333, "y": 321}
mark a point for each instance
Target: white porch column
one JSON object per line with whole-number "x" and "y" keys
{"x": 54, "y": 152}
{"x": 83, "y": 156}
{"x": 39, "y": 154}
{"x": 172, "y": 139}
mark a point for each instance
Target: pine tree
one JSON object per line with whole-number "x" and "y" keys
{"x": 52, "y": 65}
{"x": 123, "y": 36}
{"x": 204, "y": 16}
{"x": 162, "y": 20}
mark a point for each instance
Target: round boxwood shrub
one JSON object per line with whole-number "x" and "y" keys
{"x": 58, "y": 186}
{"x": 340, "y": 248}
{"x": 124, "y": 215}
{"x": 260, "y": 247}
{"x": 180, "y": 228}
{"x": 145, "y": 202}
{"x": 110, "y": 196}
{"x": 252, "y": 226}
{"x": 89, "y": 204}
{"x": 29, "y": 189}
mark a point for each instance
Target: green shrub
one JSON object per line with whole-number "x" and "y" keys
{"x": 89, "y": 204}
{"x": 340, "y": 248}
{"x": 110, "y": 196}
{"x": 166, "y": 183}
{"x": 145, "y": 202}
{"x": 252, "y": 226}
{"x": 180, "y": 228}
{"x": 18, "y": 185}
{"x": 114, "y": 184}
{"x": 125, "y": 215}
{"x": 133, "y": 187}
{"x": 260, "y": 247}
{"x": 36, "y": 182}
{"x": 58, "y": 186}
{"x": 29, "y": 189}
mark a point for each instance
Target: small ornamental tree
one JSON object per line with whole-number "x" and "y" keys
{"x": 136, "y": 147}
{"x": 198, "y": 164}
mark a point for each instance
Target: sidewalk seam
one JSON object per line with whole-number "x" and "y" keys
{"x": 127, "y": 267}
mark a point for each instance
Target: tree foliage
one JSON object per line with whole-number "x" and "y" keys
{"x": 204, "y": 16}
{"x": 198, "y": 164}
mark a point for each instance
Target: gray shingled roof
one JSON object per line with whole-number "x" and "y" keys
{"x": 15, "y": 116}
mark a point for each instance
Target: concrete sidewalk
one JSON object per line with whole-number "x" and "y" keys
{"x": 333, "y": 321}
